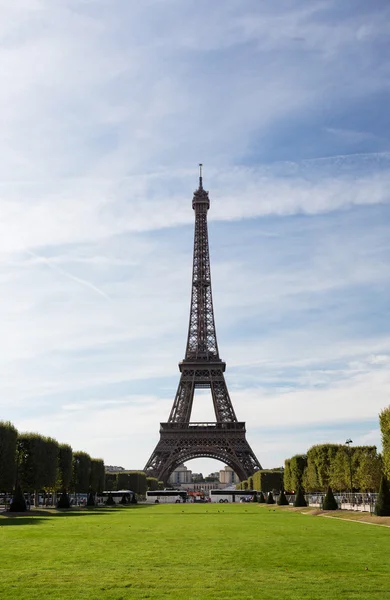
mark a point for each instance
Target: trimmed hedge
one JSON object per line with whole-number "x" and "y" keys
{"x": 329, "y": 501}
{"x": 382, "y": 506}
{"x": 384, "y": 420}
{"x": 282, "y": 500}
{"x": 8, "y": 438}
{"x": 18, "y": 503}
{"x": 266, "y": 480}
{"x": 300, "y": 499}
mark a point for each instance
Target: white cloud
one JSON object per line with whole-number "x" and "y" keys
{"x": 105, "y": 110}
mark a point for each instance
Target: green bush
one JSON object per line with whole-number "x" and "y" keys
{"x": 382, "y": 506}
{"x": 267, "y": 480}
{"x": 91, "y": 499}
{"x": 18, "y": 503}
{"x": 329, "y": 500}
{"x": 282, "y": 500}
{"x": 270, "y": 499}
{"x": 110, "y": 500}
{"x": 260, "y": 498}
{"x": 63, "y": 502}
{"x": 300, "y": 497}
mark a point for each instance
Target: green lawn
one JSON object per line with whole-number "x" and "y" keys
{"x": 191, "y": 552}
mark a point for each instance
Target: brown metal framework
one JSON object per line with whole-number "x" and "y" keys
{"x": 181, "y": 440}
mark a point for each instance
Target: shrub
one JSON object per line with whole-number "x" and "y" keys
{"x": 91, "y": 499}
{"x": 18, "y": 503}
{"x": 260, "y": 498}
{"x": 282, "y": 500}
{"x": 329, "y": 500}
{"x": 300, "y": 497}
{"x": 110, "y": 500}
{"x": 270, "y": 499}
{"x": 134, "y": 499}
{"x": 382, "y": 507}
{"x": 63, "y": 502}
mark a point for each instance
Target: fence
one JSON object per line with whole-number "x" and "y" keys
{"x": 346, "y": 501}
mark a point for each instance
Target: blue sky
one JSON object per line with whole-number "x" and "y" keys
{"x": 106, "y": 109}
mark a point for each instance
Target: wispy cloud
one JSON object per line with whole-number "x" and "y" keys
{"x": 106, "y": 109}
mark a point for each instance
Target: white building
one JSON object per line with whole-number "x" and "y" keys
{"x": 227, "y": 476}
{"x": 180, "y": 476}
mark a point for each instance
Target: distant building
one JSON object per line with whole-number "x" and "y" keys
{"x": 112, "y": 469}
{"x": 227, "y": 476}
{"x": 180, "y": 476}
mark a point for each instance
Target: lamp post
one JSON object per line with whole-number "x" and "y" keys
{"x": 348, "y": 442}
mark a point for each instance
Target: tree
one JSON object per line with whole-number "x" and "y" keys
{"x": 287, "y": 485}
{"x": 384, "y": 420}
{"x": 282, "y": 500}
{"x": 266, "y": 480}
{"x": 298, "y": 465}
{"x": 270, "y": 499}
{"x": 319, "y": 461}
{"x": 37, "y": 458}
{"x": 81, "y": 472}
{"x": 96, "y": 481}
{"x": 137, "y": 482}
{"x": 152, "y": 483}
{"x": 369, "y": 472}
{"x": 110, "y": 482}
{"x": 65, "y": 456}
{"x": 382, "y": 506}
{"x": 300, "y": 499}
{"x": 8, "y": 438}
{"x": 329, "y": 500}
{"x": 340, "y": 470}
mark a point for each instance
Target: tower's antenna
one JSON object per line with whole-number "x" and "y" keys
{"x": 200, "y": 176}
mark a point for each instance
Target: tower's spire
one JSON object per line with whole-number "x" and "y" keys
{"x": 200, "y": 176}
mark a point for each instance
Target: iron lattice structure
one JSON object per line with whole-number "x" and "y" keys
{"x": 180, "y": 439}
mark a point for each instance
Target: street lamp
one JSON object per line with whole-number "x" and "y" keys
{"x": 348, "y": 442}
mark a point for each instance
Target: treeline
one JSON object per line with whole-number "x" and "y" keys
{"x": 334, "y": 465}
{"x": 34, "y": 462}
{"x": 136, "y": 481}
{"x": 265, "y": 480}
{"x": 343, "y": 468}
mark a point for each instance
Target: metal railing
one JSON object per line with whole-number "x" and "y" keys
{"x": 359, "y": 501}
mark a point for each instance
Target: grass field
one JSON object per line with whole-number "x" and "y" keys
{"x": 192, "y": 552}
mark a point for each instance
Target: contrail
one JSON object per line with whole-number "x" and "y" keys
{"x": 55, "y": 267}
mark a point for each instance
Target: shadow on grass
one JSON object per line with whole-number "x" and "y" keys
{"x": 33, "y": 517}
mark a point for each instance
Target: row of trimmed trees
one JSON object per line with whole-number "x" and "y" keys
{"x": 36, "y": 463}
{"x": 136, "y": 481}
{"x": 334, "y": 465}
{"x": 265, "y": 480}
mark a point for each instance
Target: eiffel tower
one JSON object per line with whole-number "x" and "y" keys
{"x": 180, "y": 439}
